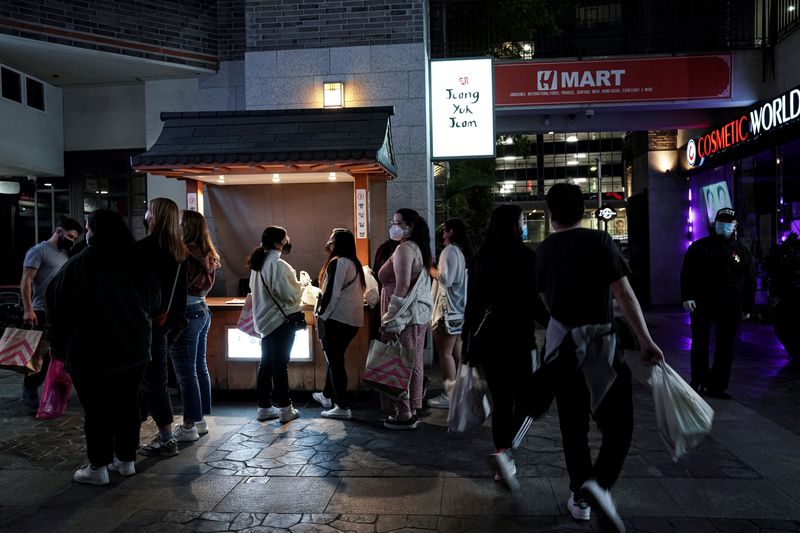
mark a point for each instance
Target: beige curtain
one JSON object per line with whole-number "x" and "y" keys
{"x": 308, "y": 212}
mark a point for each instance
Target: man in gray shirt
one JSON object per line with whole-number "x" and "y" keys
{"x": 42, "y": 263}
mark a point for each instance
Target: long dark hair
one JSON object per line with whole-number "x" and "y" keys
{"x": 344, "y": 245}
{"x": 195, "y": 232}
{"x": 164, "y": 226}
{"x": 504, "y": 228}
{"x": 459, "y": 237}
{"x": 420, "y": 234}
{"x": 108, "y": 227}
{"x": 271, "y": 236}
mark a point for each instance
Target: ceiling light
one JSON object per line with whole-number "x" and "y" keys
{"x": 276, "y": 178}
{"x": 221, "y": 179}
{"x": 791, "y": 8}
{"x": 572, "y": 139}
{"x": 593, "y": 168}
{"x": 103, "y": 192}
{"x": 550, "y": 132}
{"x": 507, "y": 141}
{"x": 48, "y": 184}
{"x": 509, "y": 158}
{"x": 572, "y": 163}
{"x": 332, "y": 176}
{"x": 526, "y": 47}
{"x": 580, "y": 156}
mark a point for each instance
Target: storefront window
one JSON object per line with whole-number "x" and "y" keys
{"x": 243, "y": 347}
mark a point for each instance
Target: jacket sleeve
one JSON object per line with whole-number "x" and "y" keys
{"x": 689, "y": 273}
{"x": 330, "y": 282}
{"x": 285, "y": 285}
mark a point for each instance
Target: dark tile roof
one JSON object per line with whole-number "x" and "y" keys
{"x": 278, "y": 136}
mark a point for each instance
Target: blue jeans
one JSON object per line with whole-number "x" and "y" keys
{"x": 273, "y": 372}
{"x": 189, "y": 357}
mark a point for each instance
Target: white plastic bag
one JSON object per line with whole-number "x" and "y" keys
{"x": 371, "y": 292}
{"x": 469, "y": 406}
{"x": 683, "y": 417}
{"x": 310, "y": 295}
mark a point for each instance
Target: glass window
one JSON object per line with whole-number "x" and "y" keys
{"x": 11, "y": 84}
{"x": 243, "y": 347}
{"x": 34, "y": 91}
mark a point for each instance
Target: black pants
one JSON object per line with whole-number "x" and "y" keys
{"x": 509, "y": 382}
{"x": 726, "y": 322}
{"x": 614, "y": 418}
{"x": 273, "y": 372}
{"x": 111, "y": 414}
{"x": 337, "y": 338}
{"x": 34, "y": 381}
{"x": 154, "y": 392}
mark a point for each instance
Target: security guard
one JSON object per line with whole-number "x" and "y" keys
{"x": 718, "y": 286}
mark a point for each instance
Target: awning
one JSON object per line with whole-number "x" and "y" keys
{"x": 352, "y": 140}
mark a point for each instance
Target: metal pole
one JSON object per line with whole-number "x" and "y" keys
{"x": 36, "y": 216}
{"x": 599, "y": 187}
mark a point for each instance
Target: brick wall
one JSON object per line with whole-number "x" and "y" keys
{"x": 275, "y": 24}
{"x": 177, "y": 31}
{"x": 231, "y": 29}
{"x": 662, "y": 140}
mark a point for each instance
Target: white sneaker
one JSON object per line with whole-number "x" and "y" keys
{"x": 183, "y": 434}
{"x": 267, "y": 413}
{"x": 579, "y": 510}
{"x": 288, "y": 413}
{"x": 323, "y": 401}
{"x": 202, "y": 427}
{"x": 503, "y": 463}
{"x": 338, "y": 412}
{"x": 600, "y": 499}
{"x": 123, "y": 468}
{"x": 91, "y": 475}
{"x": 440, "y": 402}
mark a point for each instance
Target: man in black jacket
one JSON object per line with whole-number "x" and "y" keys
{"x": 718, "y": 285}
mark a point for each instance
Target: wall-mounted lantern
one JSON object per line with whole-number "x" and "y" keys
{"x": 333, "y": 94}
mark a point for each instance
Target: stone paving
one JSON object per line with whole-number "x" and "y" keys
{"x": 318, "y": 475}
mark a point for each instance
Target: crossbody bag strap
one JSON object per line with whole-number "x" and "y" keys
{"x": 271, "y": 296}
{"x": 174, "y": 284}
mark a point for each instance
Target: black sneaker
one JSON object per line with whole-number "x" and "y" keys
{"x": 157, "y": 448}
{"x": 395, "y": 423}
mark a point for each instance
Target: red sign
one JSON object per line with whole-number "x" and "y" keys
{"x": 613, "y": 80}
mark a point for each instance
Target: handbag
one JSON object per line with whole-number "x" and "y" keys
{"x": 55, "y": 393}
{"x": 245, "y": 323}
{"x": 469, "y": 406}
{"x": 682, "y": 416}
{"x": 296, "y": 320}
{"x": 23, "y": 350}
{"x": 453, "y": 322}
{"x": 388, "y": 368}
{"x": 161, "y": 318}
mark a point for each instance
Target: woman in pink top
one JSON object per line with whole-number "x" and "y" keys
{"x": 411, "y": 259}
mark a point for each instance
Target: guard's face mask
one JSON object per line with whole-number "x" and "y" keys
{"x": 724, "y": 229}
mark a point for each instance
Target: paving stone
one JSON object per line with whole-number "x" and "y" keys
{"x": 246, "y": 520}
{"x": 313, "y": 528}
{"x": 319, "y": 518}
{"x": 282, "y": 520}
{"x": 208, "y": 525}
{"x": 180, "y": 517}
{"x": 422, "y": 522}
{"x": 354, "y": 527}
{"x": 390, "y": 522}
{"x": 242, "y": 455}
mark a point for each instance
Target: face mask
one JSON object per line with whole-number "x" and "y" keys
{"x": 64, "y": 243}
{"x": 524, "y": 232}
{"x": 287, "y": 248}
{"x": 724, "y": 229}
{"x": 396, "y": 233}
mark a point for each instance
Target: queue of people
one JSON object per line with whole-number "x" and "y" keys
{"x": 147, "y": 303}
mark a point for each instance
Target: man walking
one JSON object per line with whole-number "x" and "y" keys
{"x": 42, "y": 263}
{"x": 718, "y": 284}
{"x": 578, "y": 270}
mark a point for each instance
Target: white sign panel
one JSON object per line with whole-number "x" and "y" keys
{"x": 191, "y": 201}
{"x": 462, "y": 109}
{"x": 361, "y": 213}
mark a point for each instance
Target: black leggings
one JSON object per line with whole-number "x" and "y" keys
{"x": 337, "y": 338}
{"x": 111, "y": 420}
{"x": 509, "y": 382}
{"x": 273, "y": 372}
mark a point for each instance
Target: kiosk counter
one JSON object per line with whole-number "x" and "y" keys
{"x": 233, "y": 356}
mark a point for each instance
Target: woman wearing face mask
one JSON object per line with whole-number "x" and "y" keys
{"x": 499, "y": 321}
{"x": 340, "y": 313}
{"x": 105, "y": 355}
{"x": 165, "y": 253}
{"x": 189, "y": 351}
{"x": 399, "y": 275}
{"x": 276, "y": 293}
{"x": 450, "y": 298}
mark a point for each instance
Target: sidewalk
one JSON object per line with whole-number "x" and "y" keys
{"x": 318, "y": 475}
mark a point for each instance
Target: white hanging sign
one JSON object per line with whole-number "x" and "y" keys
{"x": 361, "y": 213}
{"x": 462, "y": 109}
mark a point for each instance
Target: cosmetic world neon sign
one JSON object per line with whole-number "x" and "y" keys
{"x": 764, "y": 118}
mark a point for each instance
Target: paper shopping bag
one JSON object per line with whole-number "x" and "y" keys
{"x": 388, "y": 368}
{"x": 55, "y": 393}
{"x": 22, "y": 350}
{"x": 245, "y": 323}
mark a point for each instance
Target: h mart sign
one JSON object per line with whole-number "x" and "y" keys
{"x": 763, "y": 118}
{"x": 644, "y": 79}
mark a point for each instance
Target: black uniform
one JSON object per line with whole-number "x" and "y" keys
{"x": 719, "y": 275}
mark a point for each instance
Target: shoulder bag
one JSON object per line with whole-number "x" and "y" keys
{"x": 296, "y": 320}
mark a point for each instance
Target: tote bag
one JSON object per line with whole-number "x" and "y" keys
{"x": 22, "y": 350}
{"x": 389, "y": 368}
{"x": 245, "y": 323}
{"x": 55, "y": 393}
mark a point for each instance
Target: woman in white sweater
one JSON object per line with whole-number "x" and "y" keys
{"x": 276, "y": 294}
{"x": 339, "y": 315}
{"x": 450, "y": 300}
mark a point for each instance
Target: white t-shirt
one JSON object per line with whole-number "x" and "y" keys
{"x": 452, "y": 283}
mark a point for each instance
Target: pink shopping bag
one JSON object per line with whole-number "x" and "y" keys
{"x": 245, "y": 323}
{"x": 55, "y": 393}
